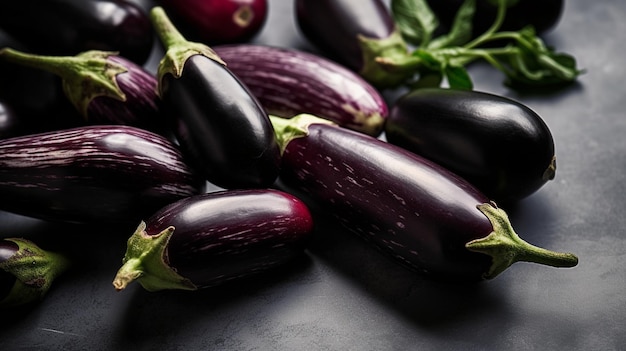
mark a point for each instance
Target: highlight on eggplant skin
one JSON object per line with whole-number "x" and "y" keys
{"x": 68, "y": 27}
{"x": 412, "y": 209}
{"x": 212, "y": 238}
{"x": 103, "y": 174}
{"x": 288, "y": 82}
{"x": 496, "y": 143}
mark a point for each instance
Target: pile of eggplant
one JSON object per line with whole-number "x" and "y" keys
{"x": 218, "y": 158}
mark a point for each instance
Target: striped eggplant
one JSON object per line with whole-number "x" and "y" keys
{"x": 27, "y": 271}
{"x": 105, "y": 88}
{"x": 289, "y": 82}
{"x": 209, "y": 239}
{"x": 104, "y": 174}
{"x": 410, "y": 208}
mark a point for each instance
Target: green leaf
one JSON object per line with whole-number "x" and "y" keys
{"x": 416, "y": 21}
{"x": 458, "y": 78}
{"x": 461, "y": 30}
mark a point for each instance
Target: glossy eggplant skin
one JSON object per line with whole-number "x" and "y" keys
{"x": 407, "y": 206}
{"x": 288, "y": 82}
{"x": 498, "y": 144}
{"x": 543, "y": 15}
{"x": 221, "y": 125}
{"x": 68, "y": 27}
{"x": 225, "y": 235}
{"x": 10, "y": 123}
{"x": 333, "y": 26}
{"x": 103, "y": 174}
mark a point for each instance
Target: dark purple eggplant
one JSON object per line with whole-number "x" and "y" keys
{"x": 209, "y": 239}
{"x": 217, "y": 21}
{"x": 218, "y": 122}
{"x": 353, "y": 33}
{"x": 10, "y": 123}
{"x": 410, "y": 208}
{"x": 105, "y": 88}
{"x": 27, "y": 271}
{"x": 68, "y": 27}
{"x": 498, "y": 144}
{"x": 104, "y": 174}
{"x": 289, "y": 82}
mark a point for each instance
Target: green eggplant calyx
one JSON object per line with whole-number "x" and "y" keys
{"x": 177, "y": 48}
{"x": 145, "y": 261}
{"x": 287, "y": 129}
{"x": 387, "y": 62}
{"x": 34, "y": 269}
{"x": 84, "y": 77}
{"x": 550, "y": 172}
{"x": 506, "y": 247}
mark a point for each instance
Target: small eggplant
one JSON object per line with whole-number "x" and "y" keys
{"x": 289, "y": 82}
{"x": 359, "y": 32}
{"x": 68, "y": 27}
{"x": 410, "y": 208}
{"x": 218, "y": 122}
{"x": 500, "y": 145}
{"x": 209, "y": 239}
{"x": 27, "y": 271}
{"x": 105, "y": 88}
{"x": 217, "y": 21}
{"x": 105, "y": 174}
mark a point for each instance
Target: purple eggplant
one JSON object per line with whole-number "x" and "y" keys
{"x": 289, "y": 82}
{"x": 218, "y": 122}
{"x": 27, "y": 271}
{"x": 209, "y": 239}
{"x": 104, "y": 174}
{"x": 353, "y": 33}
{"x": 105, "y": 88}
{"x": 217, "y": 21}
{"x": 500, "y": 145}
{"x": 10, "y": 123}
{"x": 410, "y": 208}
{"x": 68, "y": 27}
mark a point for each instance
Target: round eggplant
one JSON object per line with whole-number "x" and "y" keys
{"x": 27, "y": 271}
{"x": 105, "y": 88}
{"x": 218, "y": 122}
{"x": 105, "y": 174}
{"x": 209, "y": 239}
{"x": 289, "y": 82}
{"x": 500, "y": 145}
{"x": 68, "y": 27}
{"x": 412, "y": 209}
{"x": 217, "y": 21}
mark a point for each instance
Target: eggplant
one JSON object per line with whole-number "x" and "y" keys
{"x": 411, "y": 209}
{"x": 10, "y": 123}
{"x": 360, "y": 32}
{"x": 496, "y": 143}
{"x": 220, "y": 125}
{"x": 542, "y": 15}
{"x": 216, "y": 22}
{"x": 27, "y": 271}
{"x": 105, "y": 88}
{"x": 68, "y": 27}
{"x": 210, "y": 239}
{"x": 289, "y": 82}
{"x": 103, "y": 174}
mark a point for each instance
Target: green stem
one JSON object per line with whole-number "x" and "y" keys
{"x": 506, "y": 247}
{"x": 495, "y": 26}
{"x": 287, "y": 129}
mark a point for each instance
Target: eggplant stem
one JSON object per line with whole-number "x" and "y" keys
{"x": 145, "y": 263}
{"x": 506, "y": 247}
{"x": 287, "y": 129}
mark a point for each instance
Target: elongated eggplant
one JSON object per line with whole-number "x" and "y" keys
{"x": 219, "y": 123}
{"x": 27, "y": 271}
{"x": 68, "y": 27}
{"x": 360, "y": 32}
{"x": 410, "y": 208}
{"x": 208, "y": 239}
{"x": 289, "y": 82}
{"x": 104, "y": 174}
{"x": 500, "y": 145}
{"x": 105, "y": 88}
{"x": 217, "y": 21}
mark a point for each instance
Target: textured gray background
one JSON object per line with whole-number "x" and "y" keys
{"x": 345, "y": 296}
